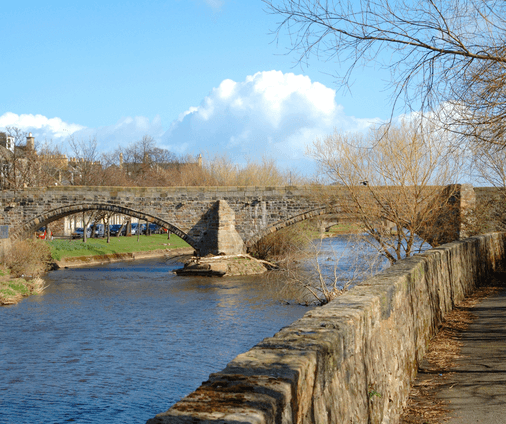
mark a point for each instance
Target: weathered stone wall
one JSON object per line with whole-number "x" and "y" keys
{"x": 219, "y": 236}
{"x": 183, "y": 210}
{"x": 451, "y": 214}
{"x": 352, "y": 360}
{"x": 255, "y": 208}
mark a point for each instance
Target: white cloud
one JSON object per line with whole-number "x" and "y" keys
{"x": 125, "y": 131}
{"x": 268, "y": 114}
{"x": 39, "y": 125}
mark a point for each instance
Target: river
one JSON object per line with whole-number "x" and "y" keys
{"x": 122, "y": 342}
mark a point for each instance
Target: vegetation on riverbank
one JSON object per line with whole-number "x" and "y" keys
{"x": 28, "y": 259}
{"x": 61, "y": 249}
{"x": 21, "y": 270}
{"x": 345, "y": 228}
{"x": 12, "y": 290}
{"x": 306, "y": 270}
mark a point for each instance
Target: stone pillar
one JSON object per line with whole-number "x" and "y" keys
{"x": 218, "y": 235}
{"x": 30, "y": 142}
{"x": 450, "y": 216}
{"x": 467, "y": 209}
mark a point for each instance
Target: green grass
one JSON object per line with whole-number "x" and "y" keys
{"x": 71, "y": 248}
{"x": 12, "y": 290}
{"x": 345, "y": 228}
{"x": 7, "y": 293}
{"x": 18, "y": 286}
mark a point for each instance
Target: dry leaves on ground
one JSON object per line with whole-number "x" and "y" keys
{"x": 423, "y": 405}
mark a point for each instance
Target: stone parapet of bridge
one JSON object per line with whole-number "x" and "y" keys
{"x": 185, "y": 211}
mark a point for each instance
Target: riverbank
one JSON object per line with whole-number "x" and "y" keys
{"x": 66, "y": 249}
{"x": 75, "y": 253}
{"x": 12, "y": 289}
{"x": 81, "y": 261}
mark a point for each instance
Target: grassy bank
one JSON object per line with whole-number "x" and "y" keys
{"x": 61, "y": 249}
{"x": 346, "y": 228}
{"x": 336, "y": 230}
{"x": 12, "y": 289}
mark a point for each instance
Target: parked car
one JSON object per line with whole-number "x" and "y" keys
{"x": 114, "y": 229}
{"x": 99, "y": 230}
{"x": 41, "y": 233}
{"x": 155, "y": 228}
{"x": 135, "y": 228}
{"x": 79, "y": 232}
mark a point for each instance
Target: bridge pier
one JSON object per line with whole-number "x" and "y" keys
{"x": 216, "y": 232}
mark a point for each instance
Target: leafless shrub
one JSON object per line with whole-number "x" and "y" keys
{"x": 324, "y": 274}
{"x": 489, "y": 169}
{"x": 222, "y": 171}
{"x": 393, "y": 182}
{"x": 283, "y": 245}
{"x": 29, "y": 258}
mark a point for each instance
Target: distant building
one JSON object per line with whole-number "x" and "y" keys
{"x": 14, "y": 160}
{"x": 7, "y": 142}
{"x": 136, "y": 168}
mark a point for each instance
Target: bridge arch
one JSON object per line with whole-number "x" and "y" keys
{"x": 30, "y": 226}
{"x": 288, "y": 222}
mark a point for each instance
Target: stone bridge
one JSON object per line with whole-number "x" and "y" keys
{"x": 210, "y": 219}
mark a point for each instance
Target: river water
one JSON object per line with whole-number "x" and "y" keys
{"x": 122, "y": 342}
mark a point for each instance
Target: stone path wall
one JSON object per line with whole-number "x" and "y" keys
{"x": 352, "y": 360}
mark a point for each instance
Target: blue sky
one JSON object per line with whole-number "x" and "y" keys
{"x": 198, "y": 75}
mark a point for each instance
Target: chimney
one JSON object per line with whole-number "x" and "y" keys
{"x": 121, "y": 160}
{"x": 30, "y": 142}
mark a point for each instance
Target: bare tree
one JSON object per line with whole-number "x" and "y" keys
{"x": 84, "y": 167}
{"x": 478, "y": 104}
{"x": 145, "y": 164}
{"x": 18, "y": 163}
{"x": 392, "y": 182}
{"x": 51, "y": 166}
{"x": 435, "y": 50}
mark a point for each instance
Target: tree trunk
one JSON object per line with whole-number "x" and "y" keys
{"x": 84, "y": 230}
